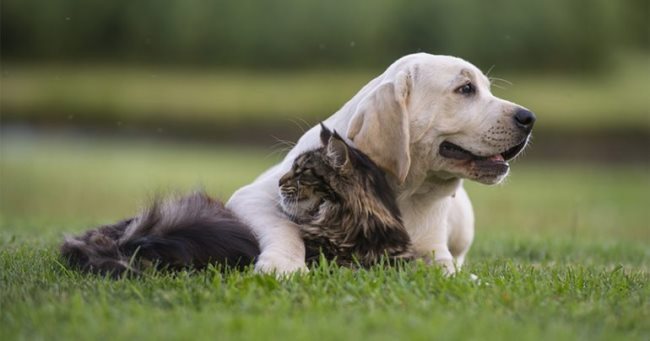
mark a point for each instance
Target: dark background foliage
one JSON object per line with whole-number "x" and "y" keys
{"x": 571, "y": 35}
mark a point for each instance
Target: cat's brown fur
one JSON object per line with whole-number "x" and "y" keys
{"x": 189, "y": 231}
{"x": 344, "y": 205}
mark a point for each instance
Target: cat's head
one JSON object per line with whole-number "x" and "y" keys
{"x": 337, "y": 174}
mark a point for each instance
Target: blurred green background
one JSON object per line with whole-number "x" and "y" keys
{"x": 104, "y": 103}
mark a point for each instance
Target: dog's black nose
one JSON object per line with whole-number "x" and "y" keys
{"x": 525, "y": 119}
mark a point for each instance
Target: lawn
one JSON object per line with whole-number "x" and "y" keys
{"x": 562, "y": 252}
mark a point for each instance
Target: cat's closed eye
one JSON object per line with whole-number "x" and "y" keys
{"x": 307, "y": 178}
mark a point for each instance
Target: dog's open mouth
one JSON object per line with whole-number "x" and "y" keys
{"x": 497, "y": 163}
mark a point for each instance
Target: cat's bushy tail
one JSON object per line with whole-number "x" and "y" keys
{"x": 190, "y": 231}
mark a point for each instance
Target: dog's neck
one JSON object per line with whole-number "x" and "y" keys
{"x": 433, "y": 186}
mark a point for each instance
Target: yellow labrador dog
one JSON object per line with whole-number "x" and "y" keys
{"x": 429, "y": 121}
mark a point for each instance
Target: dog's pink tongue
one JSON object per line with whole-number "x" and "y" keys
{"x": 497, "y": 157}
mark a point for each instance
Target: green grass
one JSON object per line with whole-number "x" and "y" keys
{"x": 561, "y": 252}
{"x": 118, "y": 96}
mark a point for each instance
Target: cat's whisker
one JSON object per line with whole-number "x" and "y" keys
{"x": 281, "y": 146}
{"x": 297, "y": 122}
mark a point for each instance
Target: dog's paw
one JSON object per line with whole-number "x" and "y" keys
{"x": 279, "y": 265}
{"x": 447, "y": 265}
{"x": 442, "y": 258}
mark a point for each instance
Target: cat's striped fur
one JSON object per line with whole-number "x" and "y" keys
{"x": 344, "y": 205}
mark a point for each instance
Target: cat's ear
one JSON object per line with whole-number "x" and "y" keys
{"x": 338, "y": 152}
{"x": 325, "y": 134}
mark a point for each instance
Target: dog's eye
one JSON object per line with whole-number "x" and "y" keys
{"x": 467, "y": 89}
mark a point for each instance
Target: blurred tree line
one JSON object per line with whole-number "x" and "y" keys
{"x": 558, "y": 34}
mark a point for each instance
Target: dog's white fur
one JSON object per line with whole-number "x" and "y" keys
{"x": 400, "y": 119}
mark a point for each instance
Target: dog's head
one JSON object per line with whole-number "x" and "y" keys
{"x": 435, "y": 116}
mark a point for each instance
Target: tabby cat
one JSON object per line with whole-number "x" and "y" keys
{"x": 343, "y": 204}
{"x": 340, "y": 198}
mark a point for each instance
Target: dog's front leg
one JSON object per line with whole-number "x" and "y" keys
{"x": 282, "y": 247}
{"x": 438, "y": 243}
{"x": 281, "y": 255}
{"x": 427, "y": 224}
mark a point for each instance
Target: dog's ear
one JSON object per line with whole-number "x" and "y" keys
{"x": 380, "y": 126}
